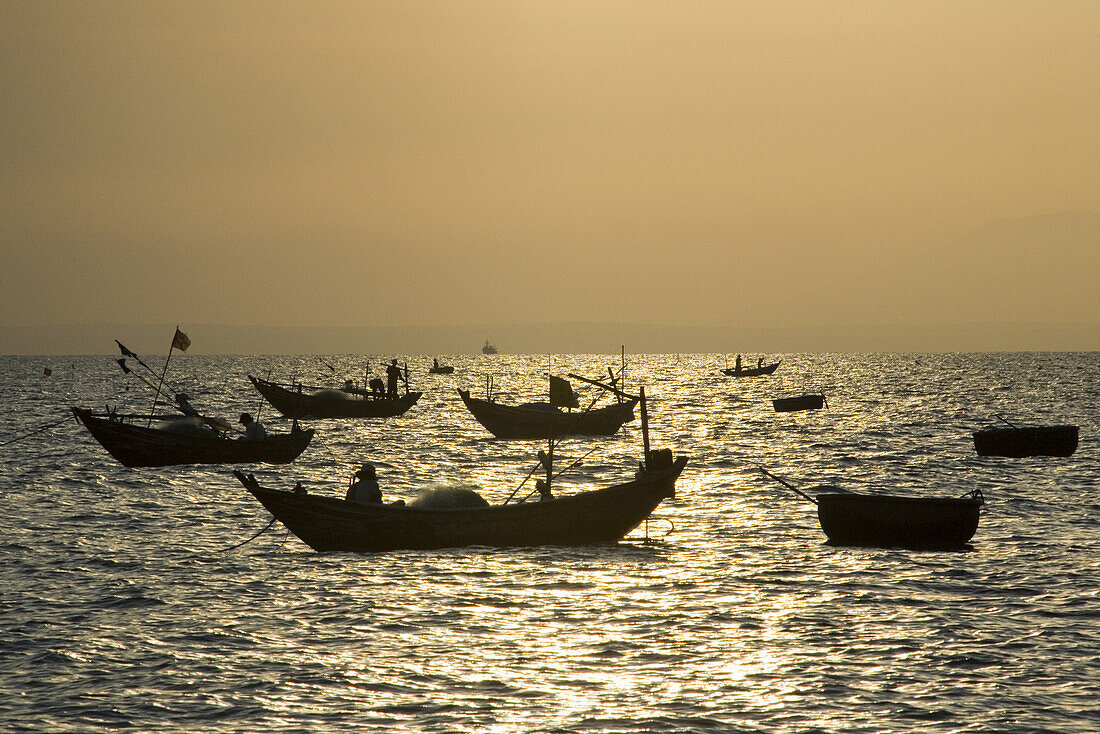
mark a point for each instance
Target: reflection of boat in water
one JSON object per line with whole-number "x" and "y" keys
{"x": 488, "y": 348}
{"x": 893, "y": 521}
{"x": 800, "y": 402}
{"x": 173, "y": 440}
{"x": 302, "y": 401}
{"x": 1021, "y": 441}
{"x": 596, "y": 516}
{"x": 752, "y": 371}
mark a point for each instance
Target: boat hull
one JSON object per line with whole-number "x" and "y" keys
{"x": 514, "y": 422}
{"x": 139, "y": 446}
{"x": 331, "y": 403}
{"x": 327, "y": 524}
{"x": 752, "y": 371}
{"x": 1027, "y": 441}
{"x": 898, "y": 522}
{"x": 801, "y": 402}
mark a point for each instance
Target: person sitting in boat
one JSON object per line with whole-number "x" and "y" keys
{"x": 737, "y": 364}
{"x": 393, "y": 374}
{"x": 349, "y": 385}
{"x": 183, "y": 400}
{"x": 365, "y": 488}
{"x": 759, "y": 363}
{"x": 543, "y": 490}
{"x": 377, "y": 387}
{"x": 253, "y": 429}
{"x": 435, "y": 363}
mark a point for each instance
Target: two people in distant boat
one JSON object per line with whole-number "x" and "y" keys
{"x": 737, "y": 364}
{"x": 365, "y": 488}
{"x": 253, "y": 429}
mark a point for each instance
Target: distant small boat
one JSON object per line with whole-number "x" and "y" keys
{"x": 488, "y": 348}
{"x": 801, "y": 402}
{"x": 752, "y": 371}
{"x": 440, "y": 369}
{"x": 174, "y": 440}
{"x": 303, "y": 401}
{"x": 1017, "y": 442}
{"x": 894, "y": 521}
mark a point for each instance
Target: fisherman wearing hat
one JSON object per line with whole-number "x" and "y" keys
{"x": 365, "y": 488}
{"x": 253, "y": 430}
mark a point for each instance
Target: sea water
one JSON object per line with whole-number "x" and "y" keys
{"x": 123, "y": 603}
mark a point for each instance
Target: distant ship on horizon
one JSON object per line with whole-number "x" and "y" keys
{"x": 488, "y": 348}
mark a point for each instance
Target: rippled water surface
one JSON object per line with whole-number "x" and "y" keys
{"x": 123, "y": 608}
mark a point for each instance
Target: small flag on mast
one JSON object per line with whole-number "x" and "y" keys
{"x": 180, "y": 341}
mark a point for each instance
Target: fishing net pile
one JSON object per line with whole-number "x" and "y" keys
{"x": 446, "y": 498}
{"x": 334, "y": 396}
{"x": 186, "y": 427}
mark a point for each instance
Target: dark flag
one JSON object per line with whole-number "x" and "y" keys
{"x": 180, "y": 341}
{"x": 122, "y": 364}
{"x": 125, "y": 352}
{"x": 47, "y": 371}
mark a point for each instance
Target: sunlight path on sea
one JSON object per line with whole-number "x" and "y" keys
{"x": 120, "y": 607}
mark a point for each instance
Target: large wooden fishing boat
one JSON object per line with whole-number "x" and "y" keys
{"x": 752, "y": 371}
{"x": 597, "y": 516}
{"x": 594, "y": 516}
{"x": 893, "y": 521}
{"x": 173, "y": 440}
{"x": 1021, "y": 441}
{"x": 542, "y": 420}
{"x": 303, "y": 401}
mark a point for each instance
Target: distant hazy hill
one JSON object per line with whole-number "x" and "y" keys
{"x": 555, "y": 338}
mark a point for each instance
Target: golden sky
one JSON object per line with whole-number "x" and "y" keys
{"x": 420, "y": 163}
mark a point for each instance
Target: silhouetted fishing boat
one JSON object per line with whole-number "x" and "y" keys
{"x": 302, "y": 401}
{"x": 1020, "y": 441}
{"x": 893, "y": 521}
{"x": 172, "y": 440}
{"x": 597, "y": 516}
{"x": 488, "y": 348}
{"x": 543, "y": 420}
{"x": 801, "y": 402}
{"x": 752, "y": 371}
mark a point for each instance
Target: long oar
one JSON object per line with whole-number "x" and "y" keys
{"x": 36, "y": 430}
{"x": 1006, "y": 420}
{"x": 787, "y": 484}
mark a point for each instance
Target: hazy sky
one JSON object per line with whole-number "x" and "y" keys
{"x": 742, "y": 163}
